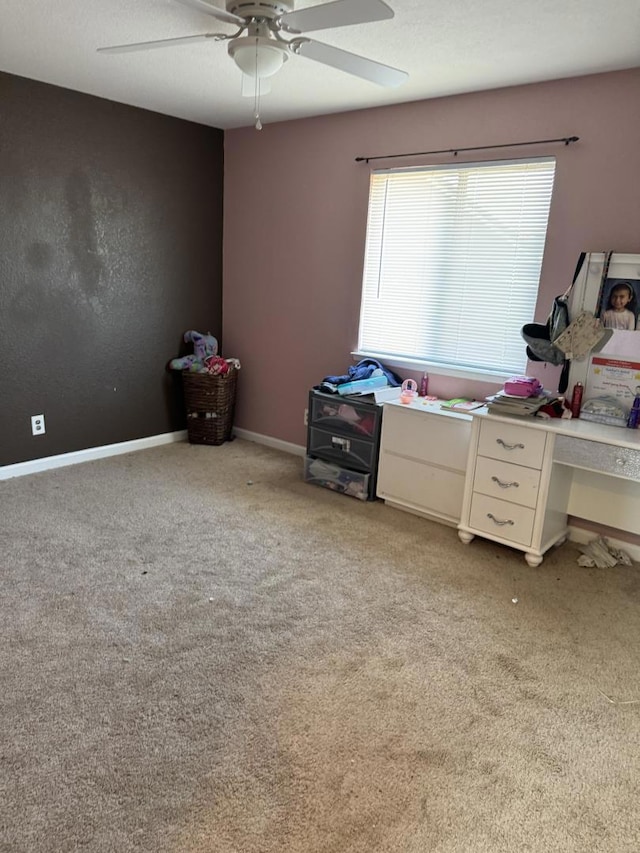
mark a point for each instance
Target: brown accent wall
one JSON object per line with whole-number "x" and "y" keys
{"x": 110, "y": 248}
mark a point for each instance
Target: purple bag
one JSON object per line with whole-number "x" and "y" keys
{"x": 522, "y": 386}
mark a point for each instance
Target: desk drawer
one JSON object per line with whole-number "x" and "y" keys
{"x": 427, "y": 437}
{"x": 505, "y": 481}
{"x": 508, "y": 521}
{"x": 597, "y": 456}
{"x": 425, "y": 487}
{"x": 349, "y": 452}
{"x": 512, "y": 443}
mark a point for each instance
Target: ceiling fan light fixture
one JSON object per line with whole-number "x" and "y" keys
{"x": 257, "y": 56}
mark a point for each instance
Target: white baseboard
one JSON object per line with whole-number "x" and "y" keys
{"x": 286, "y": 446}
{"x": 34, "y": 466}
{"x": 583, "y": 536}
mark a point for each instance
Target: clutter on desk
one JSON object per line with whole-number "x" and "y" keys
{"x": 633, "y": 421}
{"x": 462, "y": 404}
{"x": 524, "y": 395}
{"x": 576, "y": 399}
{"x": 364, "y": 370}
{"x": 545, "y": 404}
{"x": 612, "y": 386}
{"x": 409, "y": 391}
{"x": 522, "y": 386}
{"x": 604, "y": 410}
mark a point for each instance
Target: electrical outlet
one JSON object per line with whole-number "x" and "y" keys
{"x": 306, "y": 417}
{"x": 37, "y": 425}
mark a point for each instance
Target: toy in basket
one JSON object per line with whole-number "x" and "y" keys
{"x": 209, "y": 383}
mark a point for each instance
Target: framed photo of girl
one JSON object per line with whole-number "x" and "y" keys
{"x": 619, "y": 304}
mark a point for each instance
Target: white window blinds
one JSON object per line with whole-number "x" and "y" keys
{"x": 452, "y": 262}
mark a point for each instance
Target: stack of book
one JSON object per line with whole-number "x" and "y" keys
{"x": 505, "y": 404}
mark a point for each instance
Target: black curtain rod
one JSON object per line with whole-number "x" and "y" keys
{"x": 455, "y": 151}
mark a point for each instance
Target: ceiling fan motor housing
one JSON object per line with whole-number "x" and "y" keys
{"x": 258, "y": 56}
{"x": 259, "y": 8}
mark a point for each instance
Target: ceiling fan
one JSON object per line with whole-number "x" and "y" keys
{"x": 259, "y": 49}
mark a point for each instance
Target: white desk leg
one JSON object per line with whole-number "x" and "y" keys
{"x": 533, "y": 560}
{"x": 466, "y": 537}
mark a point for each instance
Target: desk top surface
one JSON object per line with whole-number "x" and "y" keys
{"x": 573, "y": 427}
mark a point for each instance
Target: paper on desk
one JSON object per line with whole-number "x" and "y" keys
{"x": 613, "y": 377}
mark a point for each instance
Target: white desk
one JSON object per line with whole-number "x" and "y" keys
{"x": 451, "y": 467}
{"x": 423, "y": 459}
{"x": 525, "y": 475}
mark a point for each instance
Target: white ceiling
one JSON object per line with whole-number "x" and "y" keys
{"x": 446, "y": 47}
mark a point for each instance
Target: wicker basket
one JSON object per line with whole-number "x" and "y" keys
{"x": 210, "y": 402}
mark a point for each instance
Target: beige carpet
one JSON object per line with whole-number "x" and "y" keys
{"x": 200, "y": 652}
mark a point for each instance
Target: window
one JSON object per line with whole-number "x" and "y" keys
{"x": 452, "y": 263}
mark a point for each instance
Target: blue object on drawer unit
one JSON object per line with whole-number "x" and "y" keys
{"x": 362, "y": 386}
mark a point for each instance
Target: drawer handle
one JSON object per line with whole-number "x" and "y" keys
{"x": 498, "y": 521}
{"x": 509, "y": 446}
{"x": 341, "y": 443}
{"x": 504, "y": 485}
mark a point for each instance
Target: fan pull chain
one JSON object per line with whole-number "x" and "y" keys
{"x": 256, "y": 95}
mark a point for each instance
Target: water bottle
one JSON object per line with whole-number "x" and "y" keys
{"x": 576, "y": 400}
{"x": 634, "y": 415}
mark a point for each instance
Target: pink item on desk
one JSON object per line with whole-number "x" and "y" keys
{"x": 409, "y": 391}
{"x": 522, "y": 386}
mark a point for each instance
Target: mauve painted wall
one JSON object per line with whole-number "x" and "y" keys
{"x": 295, "y": 217}
{"x": 110, "y": 248}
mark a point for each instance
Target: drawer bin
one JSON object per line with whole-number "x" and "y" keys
{"x": 345, "y": 418}
{"x": 346, "y": 451}
{"x": 331, "y": 476}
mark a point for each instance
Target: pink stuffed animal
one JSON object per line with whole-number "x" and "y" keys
{"x": 217, "y": 365}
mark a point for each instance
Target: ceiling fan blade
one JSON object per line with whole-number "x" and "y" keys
{"x": 383, "y": 75}
{"x": 149, "y": 45}
{"x": 339, "y": 13}
{"x": 208, "y": 9}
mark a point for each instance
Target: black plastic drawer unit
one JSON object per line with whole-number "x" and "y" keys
{"x": 331, "y": 476}
{"x": 343, "y": 416}
{"x": 345, "y": 433}
{"x": 346, "y": 451}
